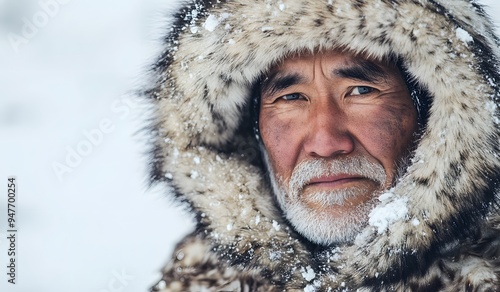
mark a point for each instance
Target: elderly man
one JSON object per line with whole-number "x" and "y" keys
{"x": 331, "y": 145}
{"x": 334, "y": 128}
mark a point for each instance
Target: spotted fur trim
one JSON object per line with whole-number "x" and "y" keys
{"x": 205, "y": 149}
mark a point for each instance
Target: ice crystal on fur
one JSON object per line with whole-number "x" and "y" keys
{"x": 308, "y": 273}
{"x": 463, "y": 35}
{"x": 388, "y": 212}
{"x": 211, "y": 23}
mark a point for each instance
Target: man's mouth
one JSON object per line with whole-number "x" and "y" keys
{"x": 334, "y": 181}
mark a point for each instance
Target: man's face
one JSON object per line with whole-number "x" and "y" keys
{"x": 335, "y": 127}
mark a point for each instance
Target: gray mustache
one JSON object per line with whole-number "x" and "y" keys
{"x": 356, "y": 165}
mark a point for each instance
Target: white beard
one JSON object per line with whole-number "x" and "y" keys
{"x": 318, "y": 225}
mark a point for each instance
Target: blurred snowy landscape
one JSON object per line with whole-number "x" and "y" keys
{"x": 90, "y": 224}
{"x": 93, "y": 226}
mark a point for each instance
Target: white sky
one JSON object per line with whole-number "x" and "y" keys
{"x": 100, "y": 220}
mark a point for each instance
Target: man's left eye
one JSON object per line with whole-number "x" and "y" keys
{"x": 291, "y": 96}
{"x": 359, "y": 90}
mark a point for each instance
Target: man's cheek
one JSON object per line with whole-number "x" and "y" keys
{"x": 389, "y": 140}
{"x": 278, "y": 137}
{"x": 386, "y": 138}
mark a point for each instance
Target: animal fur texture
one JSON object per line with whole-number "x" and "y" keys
{"x": 204, "y": 147}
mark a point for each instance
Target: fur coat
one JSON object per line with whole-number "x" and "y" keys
{"x": 204, "y": 147}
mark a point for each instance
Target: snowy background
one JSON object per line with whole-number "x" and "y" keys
{"x": 86, "y": 219}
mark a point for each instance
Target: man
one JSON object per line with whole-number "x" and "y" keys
{"x": 334, "y": 127}
{"x": 331, "y": 145}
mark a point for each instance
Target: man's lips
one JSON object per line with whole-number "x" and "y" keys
{"x": 334, "y": 180}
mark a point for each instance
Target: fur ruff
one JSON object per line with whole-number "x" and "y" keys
{"x": 204, "y": 146}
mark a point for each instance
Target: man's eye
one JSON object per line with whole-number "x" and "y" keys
{"x": 292, "y": 96}
{"x": 359, "y": 90}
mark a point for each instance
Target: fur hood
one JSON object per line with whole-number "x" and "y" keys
{"x": 204, "y": 146}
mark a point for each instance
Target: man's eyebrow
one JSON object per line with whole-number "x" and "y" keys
{"x": 363, "y": 70}
{"x": 279, "y": 81}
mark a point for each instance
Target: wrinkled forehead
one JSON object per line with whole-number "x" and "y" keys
{"x": 334, "y": 64}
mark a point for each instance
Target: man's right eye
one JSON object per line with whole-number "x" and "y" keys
{"x": 291, "y": 96}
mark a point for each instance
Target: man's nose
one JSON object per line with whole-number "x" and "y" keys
{"x": 328, "y": 135}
